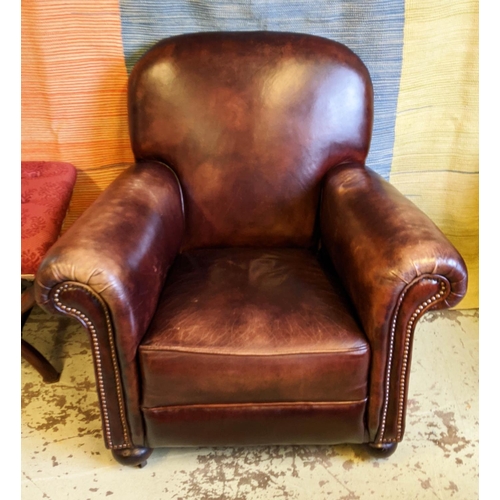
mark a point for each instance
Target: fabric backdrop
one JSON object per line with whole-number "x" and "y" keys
{"x": 422, "y": 56}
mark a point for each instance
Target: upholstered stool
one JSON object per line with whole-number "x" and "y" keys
{"x": 46, "y": 189}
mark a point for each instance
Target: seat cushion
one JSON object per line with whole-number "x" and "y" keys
{"x": 46, "y": 189}
{"x": 253, "y": 326}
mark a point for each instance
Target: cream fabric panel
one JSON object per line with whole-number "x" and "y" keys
{"x": 436, "y": 148}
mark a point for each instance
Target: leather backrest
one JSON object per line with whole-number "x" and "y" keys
{"x": 250, "y": 122}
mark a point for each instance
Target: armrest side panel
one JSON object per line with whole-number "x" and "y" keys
{"x": 82, "y": 303}
{"x": 427, "y": 292}
{"x": 120, "y": 250}
{"x": 381, "y": 244}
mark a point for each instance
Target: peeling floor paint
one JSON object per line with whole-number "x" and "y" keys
{"x": 63, "y": 454}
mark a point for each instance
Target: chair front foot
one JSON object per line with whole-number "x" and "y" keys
{"x": 384, "y": 450}
{"x": 134, "y": 457}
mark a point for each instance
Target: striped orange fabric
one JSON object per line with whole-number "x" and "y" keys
{"x": 74, "y": 91}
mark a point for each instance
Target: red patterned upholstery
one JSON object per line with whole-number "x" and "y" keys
{"x": 46, "y": 189}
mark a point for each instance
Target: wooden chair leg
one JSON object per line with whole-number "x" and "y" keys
{"x": 27, "y": 299}
{"x": 39, "y": 363}
{"x": 28, "y": 352}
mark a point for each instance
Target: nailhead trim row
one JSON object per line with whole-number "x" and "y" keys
{"x": 406, "y": 353}
{"x": 97, "y": 358}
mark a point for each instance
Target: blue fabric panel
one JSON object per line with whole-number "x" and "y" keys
{"x": 373, "y": 29}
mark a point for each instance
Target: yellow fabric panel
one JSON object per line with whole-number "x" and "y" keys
{"x": 436, "y": 149}
{"x": 74, "y": 91}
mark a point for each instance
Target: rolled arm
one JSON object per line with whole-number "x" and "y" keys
{"x": 108, "y": 270}
{"x": 395, "y": 264}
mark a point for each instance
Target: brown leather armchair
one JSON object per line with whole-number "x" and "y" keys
{"x": 249, "y": 280}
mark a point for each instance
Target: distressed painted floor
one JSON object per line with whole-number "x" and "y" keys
{"x": 63, "y": 455}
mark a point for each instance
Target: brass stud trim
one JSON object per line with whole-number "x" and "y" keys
{"x": 406, "y": 352}
{"x": 98, "y": 362}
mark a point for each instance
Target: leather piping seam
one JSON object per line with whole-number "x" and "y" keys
{"x": 143, "y": 348}
{"x": 409, "y": 329}
{"x": 284, "y": 404}
{"x": 97, "y": 356}
{"x": 174, "y": 173}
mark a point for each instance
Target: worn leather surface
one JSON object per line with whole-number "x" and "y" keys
{"x": 418, "y": 298}
{"x": 122, "y": 247}
{"x": 82, "y": 303}
{"x": 252, "y": 325}
{"x": 264, "y": 424}
{"x": 250, "y": 122}
{"x": 241, "y": 139}
{"x": 381, "y": 243}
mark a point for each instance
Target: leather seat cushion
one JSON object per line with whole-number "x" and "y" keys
{"x": 245, "y": 325}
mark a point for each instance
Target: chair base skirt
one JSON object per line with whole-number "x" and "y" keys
{"x": 256, "y": 424}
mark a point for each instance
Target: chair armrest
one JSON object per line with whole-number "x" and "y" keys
{"x": 108, "y": 270}
{"x": 122, "y": 246}
{"x": 395, "y": 264}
